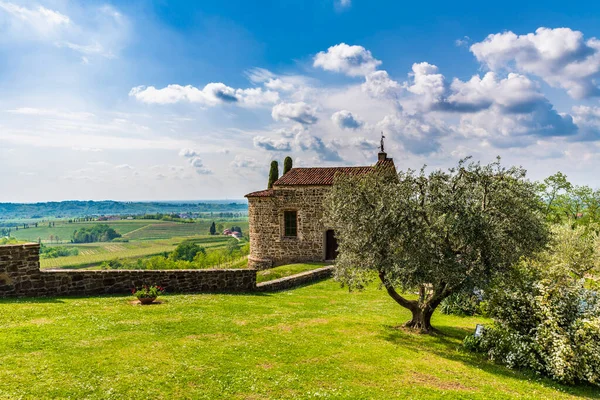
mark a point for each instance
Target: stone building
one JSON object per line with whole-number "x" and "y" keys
{"x": 286, "y": 221}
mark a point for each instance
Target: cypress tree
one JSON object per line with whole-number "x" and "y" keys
{"x": 213, "y": 228}
{"x": 273, "y": 173}
{"x": 287, "y": 164}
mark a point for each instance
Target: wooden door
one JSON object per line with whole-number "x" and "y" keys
{"x": 331, "y": 245}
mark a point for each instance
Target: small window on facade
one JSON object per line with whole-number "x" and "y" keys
{"x": 290, "y": 223}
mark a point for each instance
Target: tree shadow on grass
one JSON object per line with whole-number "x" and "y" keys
{"x": 447, "y": 343}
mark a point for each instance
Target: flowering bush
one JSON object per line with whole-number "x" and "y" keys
{"x": 147, "y": 292}
{"x": 545, "y": 318}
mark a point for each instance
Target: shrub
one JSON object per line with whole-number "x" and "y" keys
{"x": 146, "y": 292}
{"x": 186, "y": 251}
{"x": 462, "y": 304}
{"x": 545, "y": 318}
{"x": 55, "y": 252}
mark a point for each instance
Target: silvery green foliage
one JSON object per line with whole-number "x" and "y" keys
{"x": 436, "y": 234}
{"x": 545, "y": 319}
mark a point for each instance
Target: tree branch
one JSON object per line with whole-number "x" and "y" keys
{"x": 410, "y": 304}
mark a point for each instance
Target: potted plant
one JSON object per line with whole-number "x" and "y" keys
{"x": 147, "y": 294}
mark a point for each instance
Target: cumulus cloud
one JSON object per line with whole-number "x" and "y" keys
{"x": 496, "y": 108}
{"x": 245, "y": 162}
{"x": 561, "y": 57}
{"x": 195, "y": 161}
{"x": 124, "y": 167}
{"x": 517, "y": 129}
{"x": 345, "y": 120}
{"x": 271, "y": 144}
{"x": 349, "y": 60}
{"x": 378, "y": 84}
{"x": 325, "y": 152}
{"x": 416, "y": 134}
{"x": 188, "y": 153}
{"x": 211, "y": 95}
{"x": 199, "y": 167}
{"x": 292, "y": 131}
{"x": 588, "y": 120}
{"x": 427, "y": 83}
{"x": 364, "y": 144}
{"x": 299, "y": 112}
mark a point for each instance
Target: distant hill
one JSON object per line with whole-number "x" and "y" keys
{"x": 75, "y": 209}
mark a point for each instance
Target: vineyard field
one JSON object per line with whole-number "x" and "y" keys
{"x": 92, "y": 254}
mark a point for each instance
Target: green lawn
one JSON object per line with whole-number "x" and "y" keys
{"x": 318, "y": 341}
{"x": 285, "y": 270}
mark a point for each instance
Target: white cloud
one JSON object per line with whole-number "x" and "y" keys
{"x": 40, "y": 20}
{"x": 427, "y": 83}
{"x": 199, "y": 167}
{"x": 559, "y": 56}
{"x": 416, "y": 134}
{"x": 364, "y": 144}
{"x": 378, "y": 84}
{"x": 50, "y": 113}
{"x": 299, "y": 112}
{"x": 463, "y": 41}
{"x": 188, "y": 153}
{"x": 245, "y": 162}
{"x": 588, "y": 120}
{"x": 99, "y": 31}
{"x": 349, "y": 60}
{"x": 211, "y": 95}
{"x": 344, "y": 119}
{"x": 325, "y": 152}
{"x": 271, "y": 144}
{"x": 124, "y": 167}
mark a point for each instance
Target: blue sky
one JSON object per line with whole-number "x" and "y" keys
{"x": 192, "y": 100}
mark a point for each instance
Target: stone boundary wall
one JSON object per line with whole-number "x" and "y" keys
{"x": 20, "y": 275}
{"x": 293, "y": 281}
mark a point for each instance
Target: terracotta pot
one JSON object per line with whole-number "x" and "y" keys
{"x": 147, "y": 300}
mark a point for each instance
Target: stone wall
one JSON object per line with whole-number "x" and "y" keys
{"x": 20, "y": 275}
{"x": 293, "y": 281}
{"x": 268, "y": 245}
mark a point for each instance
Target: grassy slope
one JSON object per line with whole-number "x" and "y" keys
{"x": 285, "y": 270}
{"x": 95, "y": 253}
{"x": 316, "y": 341}
{"x": 135, "y": 229}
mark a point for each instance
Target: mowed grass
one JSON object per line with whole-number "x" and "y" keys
{"x": 285, "y": 270}
{"x": 91, "y": 254}
{"x": 317, "y": 341}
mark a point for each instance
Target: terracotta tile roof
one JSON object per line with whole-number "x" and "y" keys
{"x": 325, "y": 175}
{"x": 261, "y": 193}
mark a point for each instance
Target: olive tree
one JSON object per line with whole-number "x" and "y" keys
{"x": 434, "y": 234}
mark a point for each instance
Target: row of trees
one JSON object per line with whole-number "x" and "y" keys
{"x": 274, "y": 171}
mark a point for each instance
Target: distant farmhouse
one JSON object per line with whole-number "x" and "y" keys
{"x": 286, "y": 221}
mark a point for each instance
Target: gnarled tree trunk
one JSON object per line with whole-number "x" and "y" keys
{"x": 421, "y": 310}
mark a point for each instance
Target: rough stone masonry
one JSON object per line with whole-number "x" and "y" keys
{"x": 20, "y": 275}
